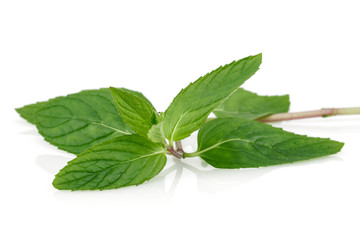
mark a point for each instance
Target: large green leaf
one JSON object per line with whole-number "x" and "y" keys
{"x": 135, "y": 109}
{"x": 123, "y": 161}
{"x": 240, "y": 143}
{"x": 81, "y": 120}
{"x": 192, "y": 105}
{"x": 248, "y": 105}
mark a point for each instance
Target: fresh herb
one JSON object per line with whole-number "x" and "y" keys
{"x": 121, "y": 140}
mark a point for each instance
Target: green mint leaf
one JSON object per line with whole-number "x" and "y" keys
{"x": 28, "y": 111}
{"x": 248, "y": 105}
{"x": 135, "y": 109}
{"x": 123, "y": 161}
{"x": 78, "y": 121}
{"x": 240, "y": 143}
{"x": 191, "y": 107}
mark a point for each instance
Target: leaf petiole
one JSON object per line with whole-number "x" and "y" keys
{"x": 189, "y": 155}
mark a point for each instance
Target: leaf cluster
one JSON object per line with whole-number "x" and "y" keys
{"x": 120, "y": 139}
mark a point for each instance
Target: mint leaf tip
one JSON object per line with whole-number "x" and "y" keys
{"x": 27, "y": 112}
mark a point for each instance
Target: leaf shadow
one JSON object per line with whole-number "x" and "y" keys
{"x": 339, "y": 124}
{"x": 30, "y": 132}
{"x": 52, "y": 163}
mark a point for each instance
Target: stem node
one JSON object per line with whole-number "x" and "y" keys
{"x": 173, "y": 152}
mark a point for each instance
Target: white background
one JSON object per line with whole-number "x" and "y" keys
{"x": 310, "y": 50}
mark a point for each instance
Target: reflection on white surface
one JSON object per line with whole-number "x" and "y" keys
{"x": 52, "y": 163}
{"x": 31, "y": 132}
{"x": 324, "y": 126}
{"x": 163, "y": 187}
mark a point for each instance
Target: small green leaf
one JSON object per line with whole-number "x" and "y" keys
{"x": 135, "y": 109}
{"x": 191, "y": 107}
{"x": 123, "y": 161}
{"x": 240, "y": 143}
{"x": 81, "y": 120}
{"x": 156, "y": 133}
{"x": 28, "y": 111}
{"x": 248, "y": 105}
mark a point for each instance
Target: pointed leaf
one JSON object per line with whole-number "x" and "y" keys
{"x": 81, "y": 120}
{"x": 248, "y": 105}
{"x": 240, "y": 143}
{"x": 135, "y": 109}
{"x": 28, "y": 111}
{"x": 123, "y": 161}
{"x": 192, "y": 105}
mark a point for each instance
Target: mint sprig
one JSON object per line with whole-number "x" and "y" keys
{"x": 121, "y": 140}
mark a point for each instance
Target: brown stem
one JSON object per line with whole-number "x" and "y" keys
{"x": 325, "y": 112}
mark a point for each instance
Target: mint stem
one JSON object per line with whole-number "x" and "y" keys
{"x": 325, "y": 112}
{"x": 173, "y": 152}
{"x": 179, "y": 148}
{"x": 189, "y": 155}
